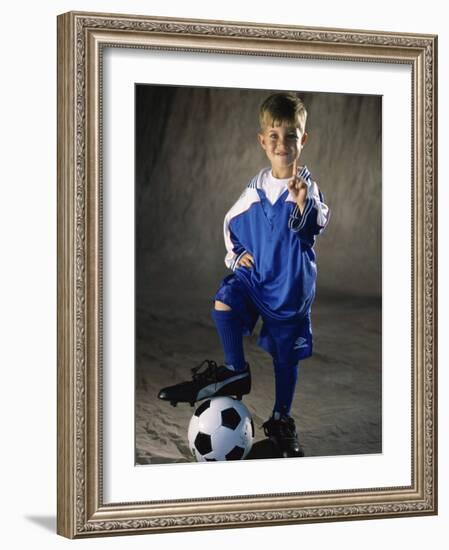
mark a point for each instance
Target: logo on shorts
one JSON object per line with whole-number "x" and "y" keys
{"x": 300, "y": 343}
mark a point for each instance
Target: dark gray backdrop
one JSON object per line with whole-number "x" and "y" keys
{"x": 196, "y": 149}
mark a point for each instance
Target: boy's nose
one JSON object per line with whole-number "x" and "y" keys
{"x": 282, "y": 145}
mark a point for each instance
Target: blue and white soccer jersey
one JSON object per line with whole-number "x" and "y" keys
{"x": 267, "y": 223}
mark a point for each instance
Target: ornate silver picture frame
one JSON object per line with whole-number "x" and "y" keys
{"x": 83, "y": 510}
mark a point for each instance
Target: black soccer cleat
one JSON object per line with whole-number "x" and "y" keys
{"x": 209, "y": 381}
{"x": 282, "y": 432}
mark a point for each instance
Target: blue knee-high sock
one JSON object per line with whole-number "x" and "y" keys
{"x": 230, "y": 331}
{"x": 285, "y": 376}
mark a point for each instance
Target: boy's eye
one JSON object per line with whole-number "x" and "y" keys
{"x": 289, "y": 136}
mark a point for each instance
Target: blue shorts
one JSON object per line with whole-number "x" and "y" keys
{"x": 286, "y": 341}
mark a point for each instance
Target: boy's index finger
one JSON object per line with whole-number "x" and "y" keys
{"x": 295, "y": 168}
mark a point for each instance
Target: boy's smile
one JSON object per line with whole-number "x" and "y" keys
{"x": 282, "y": 145}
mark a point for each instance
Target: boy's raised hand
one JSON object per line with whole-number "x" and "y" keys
{"x": 297, "y": 187}
{"x": 246, "y": 260}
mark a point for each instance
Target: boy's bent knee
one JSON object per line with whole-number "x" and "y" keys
{"x": 220, "y": 306}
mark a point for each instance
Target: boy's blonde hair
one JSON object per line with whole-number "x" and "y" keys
{"x": 283, "y": 107}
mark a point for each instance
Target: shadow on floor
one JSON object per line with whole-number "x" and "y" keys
{"x": 46, "y": 522}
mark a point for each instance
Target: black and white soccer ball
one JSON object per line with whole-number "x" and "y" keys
{"x": 221, "y": 429}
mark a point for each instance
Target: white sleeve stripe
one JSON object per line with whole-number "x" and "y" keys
{"x": 294, "y": 216}
{"x": 328, "y": 217}
{"x": 229, "y": 259}
{"x": 237, "y": 259}
{"x": 305, "y": 214}
{"x": 305, "y": 175}
{"x": 323, "y": 214}
{"x": 244, "y": 203}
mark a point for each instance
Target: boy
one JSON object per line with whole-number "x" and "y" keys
{"x": 269, "y": 236}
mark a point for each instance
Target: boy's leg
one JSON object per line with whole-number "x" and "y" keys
{"x": 230, "y": 330}
{"x": 208, "y": 378}
{"x": 281, "y": 427}
{"x": 281, "y": 340}
{"x": 286, "y": 376}
{"x": 220, "y": 306}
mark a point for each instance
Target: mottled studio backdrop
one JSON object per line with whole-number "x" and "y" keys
{"x": 196, "y": 149}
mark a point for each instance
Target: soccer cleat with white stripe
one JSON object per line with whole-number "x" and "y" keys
{"x": 209, "y": 380}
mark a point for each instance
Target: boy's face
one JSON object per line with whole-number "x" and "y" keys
{"x": 282, "y": 144}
